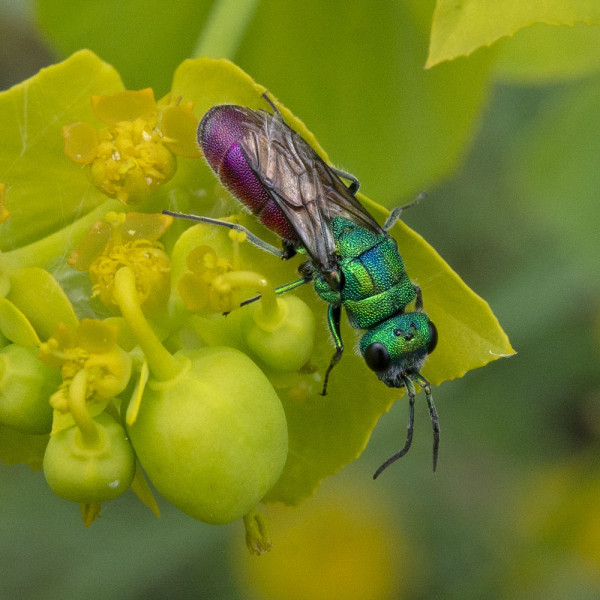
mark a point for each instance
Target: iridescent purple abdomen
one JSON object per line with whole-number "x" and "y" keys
{"x": 220, "y": 134}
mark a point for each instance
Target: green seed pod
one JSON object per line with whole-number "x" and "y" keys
{"x": 26, "y": 385}
{"x": 83, "y": 471}
{"x": 284, "y": 343}
{"x": 214, "y": 440}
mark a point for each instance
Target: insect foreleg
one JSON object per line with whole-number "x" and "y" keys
{"x": 410, "y": 390}
{"x": 334, "y": 314}
{"x": 282, "y": 289}
{"x": 253, "y": 239}
{"x": 397, "y": 212}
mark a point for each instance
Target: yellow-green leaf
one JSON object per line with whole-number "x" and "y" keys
{"x": 356, "y": 73}
{"x": 462, "y": 26}
{"x": 325, "y": 433}
{"x": 15, "y": 326}
{"x": 41, "y": 299}
{"x": 544, "y": 54}
{"x": 45, "y": 189}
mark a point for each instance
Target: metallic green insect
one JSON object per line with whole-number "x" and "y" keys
{"x": 353, "y": 261}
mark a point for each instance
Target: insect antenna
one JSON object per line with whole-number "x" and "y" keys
{"x": 433, "y": 414}
{"x": 410, "y": 389}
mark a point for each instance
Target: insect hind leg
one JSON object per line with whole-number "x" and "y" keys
{"x": 253, "y": 239}
{"x": 354, "y": 186}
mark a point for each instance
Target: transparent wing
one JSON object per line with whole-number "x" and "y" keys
{"x": 302, "y": 185}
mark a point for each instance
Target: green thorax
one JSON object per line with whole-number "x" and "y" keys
{"x": 375, "y": 284}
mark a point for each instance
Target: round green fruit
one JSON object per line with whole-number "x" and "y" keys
{"x": 78, "y": 471}
{"x": 214, "y": 441}
{"x": 287, "y": 345}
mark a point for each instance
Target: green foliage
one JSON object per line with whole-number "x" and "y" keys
{"x": 461, "y": 27}
{"x": 512, "y": 511}
{"x": 543, "y": 54}
{"x": 33, "y": 114}
{"x": 561, "y": 187}
{"x": 470, "y": 333}
{"x": 162, "y": 34}
{"x": 412, "y": 124}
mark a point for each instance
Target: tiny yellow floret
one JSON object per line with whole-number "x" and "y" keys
{"x": 135, "y": 152}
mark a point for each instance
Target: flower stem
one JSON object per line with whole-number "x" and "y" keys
{"x": 162, "y": 364}
{"x": 89, "y": 429}
{"x": 224, "y": 28}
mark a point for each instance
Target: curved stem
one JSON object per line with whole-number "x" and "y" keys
{"x": 162, "y": 364}
{"x": 89, "y": 429}
{"x": 224, "y": 28}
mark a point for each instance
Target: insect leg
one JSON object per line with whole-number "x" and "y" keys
{"x": 397, "y": 212}
{"x": 282, "y": 289}
{"x": 334, "y": 314}
{"x": 353, "y": 187}
{"x": 253, "y": 239}
{"x": 419, "y": 300}
{"x": 433, "y": 414}
{"x": 266, "y": 96}
{"x": 410, "y": 390}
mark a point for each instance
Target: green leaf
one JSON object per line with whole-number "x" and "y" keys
{"x": 560, "y": 188}
{"x": 145, "y": 43}
{"x": 327, "y": 433}
{"x": 462, "y": 26}
{"x": 44, "y": 188}
{"x": 360, "y": 65}
{"x": 355, "y": 71}
{"x": 543, "y": 54}
{"x": 15, "y": 326}
{"x": 41, "y": 299}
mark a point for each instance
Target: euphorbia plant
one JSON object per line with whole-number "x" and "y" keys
{"x": 221, "y": 412}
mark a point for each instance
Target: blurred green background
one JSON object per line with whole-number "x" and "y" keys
{"x": 506, "y": 143}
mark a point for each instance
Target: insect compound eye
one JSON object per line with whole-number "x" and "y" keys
{"x": 433, "y": 337}
{"x": 377, "y": 357}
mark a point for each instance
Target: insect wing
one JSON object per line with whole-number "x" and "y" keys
{"x": 302, "y": 185}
